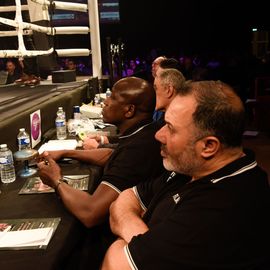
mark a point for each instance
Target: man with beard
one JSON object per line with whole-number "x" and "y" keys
{"x": 135, "y": 159}
{"x": 211, "y": 211}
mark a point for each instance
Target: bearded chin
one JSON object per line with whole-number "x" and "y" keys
{"x": 168, "y": 165}
{"x": 184, "y": 168}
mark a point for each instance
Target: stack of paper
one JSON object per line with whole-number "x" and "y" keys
{"x": 27, "y": 233}
{"x": 54, "y": 145}
{"x": 27, "y": 238}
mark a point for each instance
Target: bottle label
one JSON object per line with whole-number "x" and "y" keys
{"x": 23, "y": 141}
{"x": 60, "y": 123}
{"x": 5, "y": 161}
{"x": 77, "y": 116}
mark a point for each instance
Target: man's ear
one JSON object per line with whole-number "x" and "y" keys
{"x": 209, "y": 146}
{"x": 130, "y": 110}
{"x": 170, "y": 91}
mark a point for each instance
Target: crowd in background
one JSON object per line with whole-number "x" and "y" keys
{"x": 232, "y": 68}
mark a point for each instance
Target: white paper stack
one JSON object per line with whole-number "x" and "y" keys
{"x": 54, "y": 145}
{"x": 24, "y": 238}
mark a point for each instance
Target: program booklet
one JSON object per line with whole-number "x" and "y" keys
{"x": 34, "y": 185}
{"x": 36, "y": 233}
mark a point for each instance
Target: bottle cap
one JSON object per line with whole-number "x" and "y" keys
{"x": 4, "y": 145}
{"x": 76, "y": 109}
{"x": 22, "y": 129}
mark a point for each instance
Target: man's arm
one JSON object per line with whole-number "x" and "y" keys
{"x": 126, "y": 216}
{"x": 89, "y": 209}
{"x": 94, "y": 141}
{"x": 95, "y": 156}
{"x": 116, "y": 250}
{"x": 126, "y": 222}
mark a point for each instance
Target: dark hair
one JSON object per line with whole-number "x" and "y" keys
{"x": 170, "y": 63}
{"x": 219, "y": 112}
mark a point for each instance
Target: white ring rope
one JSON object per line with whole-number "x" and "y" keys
{"x": 21, "y": 52}
{"x": 56, "y": 5}
{"x": 67, "y": 30}
{"x": 24, "y": 25}
{"x": 12, "y": 8}
{"x": 73, "y": 52}
{"x": 24, "y": 28}
{"x": 15, "y": 33}
{"x": 59, "y": 30}
{"x": 63, "y": 5}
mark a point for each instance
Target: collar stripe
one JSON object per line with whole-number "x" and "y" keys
{"x": 136, "y": 131}
{"x": 246, "y": 168}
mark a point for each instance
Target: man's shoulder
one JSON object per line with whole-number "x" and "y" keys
{"x": 150, "y": 129}
{"x": 141, "y": 134}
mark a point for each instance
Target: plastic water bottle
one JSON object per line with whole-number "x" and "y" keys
{"x": 96, "y": 100}
{"x": 60, "y": 123}
{"x": 6, "y": 165}
{"x": 23, "y": 139}
{"x": 76, "y": 112}
{"x": 108, "y": 92}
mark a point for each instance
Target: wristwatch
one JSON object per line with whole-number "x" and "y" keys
{"x": 58, "y": 183}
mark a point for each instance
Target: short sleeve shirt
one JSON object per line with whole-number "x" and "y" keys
{"x": 136, "y": 158}
{"x": 221, "y": 221}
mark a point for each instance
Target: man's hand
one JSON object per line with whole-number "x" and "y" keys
{"x": 89, "y": 144}
{"x": 93, "y": 141}
{"x": 49, "y": 171}
{"x": 55, "y": 155}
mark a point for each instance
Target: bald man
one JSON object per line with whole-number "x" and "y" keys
{"x": 135, "y": 159}
{"x": 156, "y": 63}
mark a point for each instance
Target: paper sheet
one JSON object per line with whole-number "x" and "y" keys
{"x": 54, "y": 145}
{"x": 24, "y": 238}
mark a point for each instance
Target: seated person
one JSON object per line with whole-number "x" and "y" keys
{"x": 14, "y": 72}
{"x": 169, "y": 63}
{"x": 167, "y": 83}
{"x": 135, "y": 159}
{"x": 71, "y": 65}
{"x": 212, "y": 211}
{"x": 156, "y": 63}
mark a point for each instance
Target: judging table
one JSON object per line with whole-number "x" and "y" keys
{"x": 68, "y": 235}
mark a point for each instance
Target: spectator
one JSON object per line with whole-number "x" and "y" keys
{"x": 156, "y": 63}
{"x": 14, "y": 72}
{"x": 135, "y": 159}
{"x": 212, "y": 211}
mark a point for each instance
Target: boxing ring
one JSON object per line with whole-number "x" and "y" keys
{"x": 39, "y": 11}
{"x": 17, "y": 102}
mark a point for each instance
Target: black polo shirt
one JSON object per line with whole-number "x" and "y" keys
{"x": 135, "y": 159}
{"x": 221, "y": 221}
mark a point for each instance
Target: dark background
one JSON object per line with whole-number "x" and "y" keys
{"x": 177, "y": 26}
